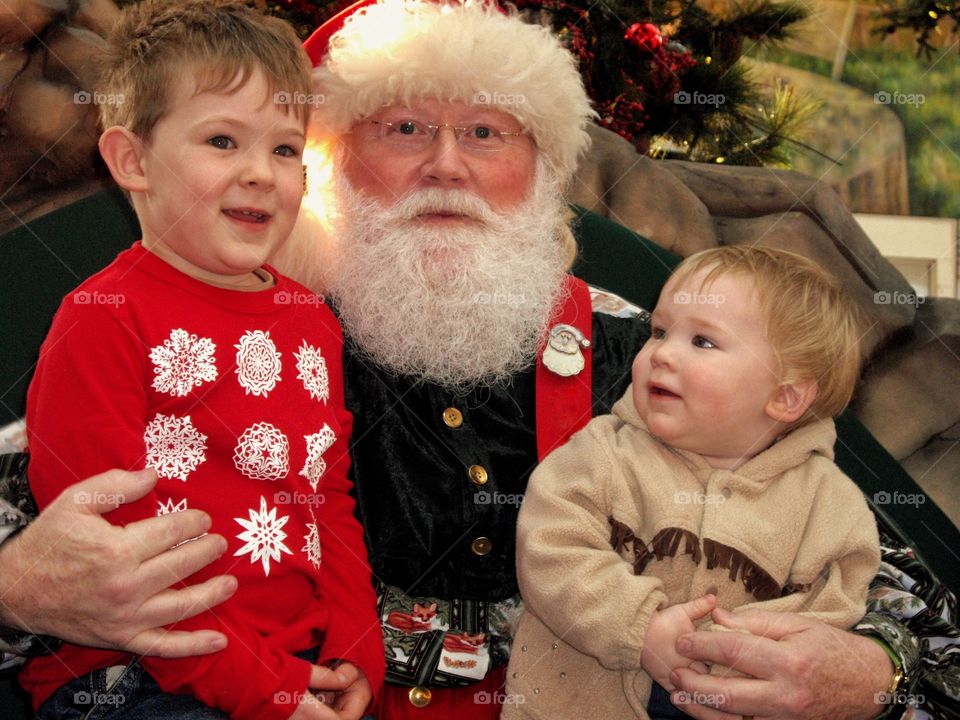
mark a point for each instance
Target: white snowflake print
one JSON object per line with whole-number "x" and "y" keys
{"x": 174, "y": 446}
{"x": 317, "y": 445}
{"x": 169, "y": 507}
{"x": 258, "y": 362}
{"x": 312, "y": 539}
{"x": 312, "y": 370}
{"x": 182, "y": 363}
{"x": 264, "y": 536}
{"x": 262, "y": 452}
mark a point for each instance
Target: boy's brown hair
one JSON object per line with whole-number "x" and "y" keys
{"x": 814, "y": 327}
{"x": 218, "y": 43}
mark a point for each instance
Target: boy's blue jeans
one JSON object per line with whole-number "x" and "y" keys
{"x": 130, "y": 694}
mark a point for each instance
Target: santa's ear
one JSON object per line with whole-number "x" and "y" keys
{"x": 791, "y": 400}
{"x": 123, "y": 152}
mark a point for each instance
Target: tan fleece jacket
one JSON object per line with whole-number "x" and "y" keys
{"x": 614, "y": 502}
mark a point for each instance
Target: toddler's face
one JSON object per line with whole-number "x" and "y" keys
{"x": 224, "y": 177}
{"x": 704, "y": 379}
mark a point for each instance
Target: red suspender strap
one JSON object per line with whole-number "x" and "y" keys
{"x": 564, "y": 404}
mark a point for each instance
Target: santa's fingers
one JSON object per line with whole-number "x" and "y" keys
{"x": 173, "y": 605}
{"x": 735, "y": 695}
{"x": 180, "y": 562}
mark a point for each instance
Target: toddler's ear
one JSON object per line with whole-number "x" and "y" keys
{"x": 123, "y": 152}
{"x": 791, "y": 400}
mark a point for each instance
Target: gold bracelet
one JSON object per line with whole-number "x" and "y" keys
{"x": 898, "y": 684}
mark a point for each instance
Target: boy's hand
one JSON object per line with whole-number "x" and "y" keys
{"x": 340, "y": 693}
{"x": 353, "y": 701}
{"x": 317, "y": 703}
{"x": 660, "y": 657}
{"x": 313, "y": 708}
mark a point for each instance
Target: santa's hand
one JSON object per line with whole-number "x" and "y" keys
{"x": 659, "y": 656}
{"x": 799, "y": 668}
{"x": 76, "y": 576}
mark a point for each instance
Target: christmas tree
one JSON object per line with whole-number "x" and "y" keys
{"x": 667, "y": 76}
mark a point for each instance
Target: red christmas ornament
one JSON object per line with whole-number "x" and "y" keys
{"x": 646, "y": 37}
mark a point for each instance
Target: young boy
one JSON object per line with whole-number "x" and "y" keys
{"x": 191, "y": 356}
{"x": 712, "y": 482}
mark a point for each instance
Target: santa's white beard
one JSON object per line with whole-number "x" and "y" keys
{"x": 459, "y": 306}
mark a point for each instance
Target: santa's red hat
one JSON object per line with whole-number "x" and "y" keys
{"x": 379, "y": 52}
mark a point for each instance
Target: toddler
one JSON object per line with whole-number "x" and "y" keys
{"x": 712, "y": 482}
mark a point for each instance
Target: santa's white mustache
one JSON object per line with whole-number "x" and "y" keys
{"x": 433, "y": 201}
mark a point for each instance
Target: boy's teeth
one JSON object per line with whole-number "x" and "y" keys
{"x": 259, "y": 217}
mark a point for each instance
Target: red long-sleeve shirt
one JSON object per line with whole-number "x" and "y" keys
{"x": 237, "y": 399}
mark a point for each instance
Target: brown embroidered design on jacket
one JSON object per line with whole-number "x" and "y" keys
{"x": 666, "y": 543}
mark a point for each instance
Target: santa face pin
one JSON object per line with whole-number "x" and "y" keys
{"x": 562, "y": 354}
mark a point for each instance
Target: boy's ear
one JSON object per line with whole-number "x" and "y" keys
{"x": 123, "y": 152}
{"x": 791, "y": 400}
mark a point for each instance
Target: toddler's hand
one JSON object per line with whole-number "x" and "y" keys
{"x": 660, "y": 656}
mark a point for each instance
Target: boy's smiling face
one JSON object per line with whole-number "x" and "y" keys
{"x": 223, "y": 181}
{"x": 704, "y": 380}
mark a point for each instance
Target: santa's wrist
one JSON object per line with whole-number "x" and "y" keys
{"x": 893, "y": 695}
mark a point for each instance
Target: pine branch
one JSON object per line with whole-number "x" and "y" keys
{"x": 923, "y": 17}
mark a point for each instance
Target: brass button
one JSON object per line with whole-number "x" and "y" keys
{"x": 420, "y": 696}
{"x": 478, "y": 474}
{"x": 726, "y": 492}
{"x": 452, "y": 417}
{"x": 481, "y": 546}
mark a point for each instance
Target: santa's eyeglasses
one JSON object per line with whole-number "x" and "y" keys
{"x": 414, "y": 135}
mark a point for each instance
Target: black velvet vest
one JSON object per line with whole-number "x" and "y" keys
{"x": 421, "y": 509}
